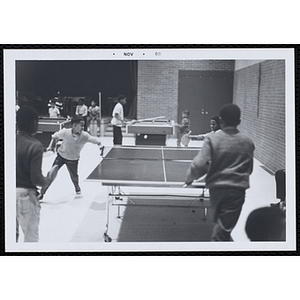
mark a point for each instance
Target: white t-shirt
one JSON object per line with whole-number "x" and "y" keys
{"x": 54, "y": 112}
{"x": 118, "y": 109}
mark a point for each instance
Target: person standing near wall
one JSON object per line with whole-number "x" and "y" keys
{"x": 227, "y": 160}
{"x": 214, "y": 126}
{"x": 118, "y": 120}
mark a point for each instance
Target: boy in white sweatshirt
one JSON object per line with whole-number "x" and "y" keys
{"x": 73, "y": 140}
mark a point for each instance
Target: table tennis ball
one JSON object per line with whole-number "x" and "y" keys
{"x": 145, "y": 136}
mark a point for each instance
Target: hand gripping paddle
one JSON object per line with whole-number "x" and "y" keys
{"x": 185, "y": 139}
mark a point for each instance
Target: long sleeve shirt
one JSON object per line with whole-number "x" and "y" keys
{"x": 81, "y": 110}
{"x": 226, "y": 158}
{"x": 71, "y": 147}
{"x": 29, "y": 155}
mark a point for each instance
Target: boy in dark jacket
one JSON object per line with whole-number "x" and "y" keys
{"x": 227, "y": 160}
{"x": 29, "y": 155}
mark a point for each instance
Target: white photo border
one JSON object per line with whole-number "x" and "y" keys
{"x": 13, "y": 55}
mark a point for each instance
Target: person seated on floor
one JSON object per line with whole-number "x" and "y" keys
{"x": 215, "y": 125}
{"x": 266, "y": 224}
{"x": 93, "y": 115}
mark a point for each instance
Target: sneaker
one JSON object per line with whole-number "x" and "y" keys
{"x": 40, "y": 197}
{"x": 78, "y": 192}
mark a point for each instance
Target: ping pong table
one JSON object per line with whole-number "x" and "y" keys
{"x": 154, "y": 167}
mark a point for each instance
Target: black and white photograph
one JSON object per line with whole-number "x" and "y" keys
{"x": 149, "y": 149}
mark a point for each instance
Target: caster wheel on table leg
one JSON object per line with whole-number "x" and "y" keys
{"x": 107, "y": 238}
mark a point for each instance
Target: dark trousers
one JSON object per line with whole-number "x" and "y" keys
{"x": 72, "y": 166}
{"x": 85, "y": 123}
{"x": 227, "y": 204}
{"x": 117, "y": 131}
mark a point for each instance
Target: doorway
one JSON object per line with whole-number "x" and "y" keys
{"x": 203, "y": 93}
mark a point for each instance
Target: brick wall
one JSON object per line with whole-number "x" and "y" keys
{"x": 157, "y": 93}
{"x": 259, "y": 90}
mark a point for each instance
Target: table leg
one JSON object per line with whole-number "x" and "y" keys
{"x": 205, "y": 214}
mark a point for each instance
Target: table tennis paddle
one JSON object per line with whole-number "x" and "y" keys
{"x": 185, "y": 139}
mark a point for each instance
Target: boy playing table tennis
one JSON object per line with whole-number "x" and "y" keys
{"x": 184, "y": 127}
{"x": 118, "y": 120}
{"x": 214, "y": 126}
{"x": 73, "y": 140}
{"x": 227, "y": 160}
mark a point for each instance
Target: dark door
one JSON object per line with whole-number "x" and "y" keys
{"x": 203, "y": 93}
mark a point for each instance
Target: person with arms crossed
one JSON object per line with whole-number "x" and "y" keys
{"x": 227, "y": 160}
{"x": 73, "y": 140}
{"x": 82, "y": 111}
{"x": 118, "y": 120}
{"x": 29, "y": 155}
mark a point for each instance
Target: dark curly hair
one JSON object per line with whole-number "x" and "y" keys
{"x": 26, "y": 118}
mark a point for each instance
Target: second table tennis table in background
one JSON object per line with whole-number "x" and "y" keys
{"x": 158, "y": 168}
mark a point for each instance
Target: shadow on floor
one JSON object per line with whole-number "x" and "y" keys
{"x": 167, "y": 223}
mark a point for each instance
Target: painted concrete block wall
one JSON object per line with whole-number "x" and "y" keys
{"x": 157, "y": 93}
{"x": 259, "y": 90}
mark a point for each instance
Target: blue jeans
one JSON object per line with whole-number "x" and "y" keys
{"x": 28, "y": 214}
{"x": 227, "y": 205}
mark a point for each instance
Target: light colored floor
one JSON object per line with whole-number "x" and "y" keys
{"x": 67, "y": 218}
